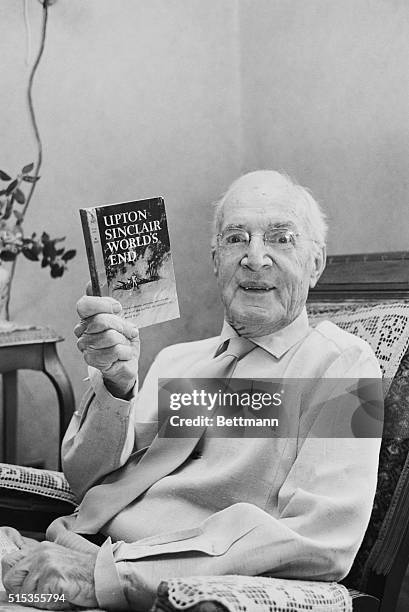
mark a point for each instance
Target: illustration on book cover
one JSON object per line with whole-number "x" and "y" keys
{"x": 129, "y": 257}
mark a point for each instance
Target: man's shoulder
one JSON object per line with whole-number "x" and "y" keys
{"x": 340, "y": 339}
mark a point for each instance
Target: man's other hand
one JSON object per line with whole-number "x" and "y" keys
{"x": 108, "y": 342}
{"x": 50, "y": 568}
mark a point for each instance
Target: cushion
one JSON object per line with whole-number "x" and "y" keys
{"x": 255, "y": 593}
{"x": 384, "y": 326}
{"x": 32, "y": 480}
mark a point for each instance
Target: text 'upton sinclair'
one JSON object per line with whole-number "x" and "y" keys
{"x": 126, "y": 231}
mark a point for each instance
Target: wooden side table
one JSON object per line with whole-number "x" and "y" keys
{"x": 31, "y": 348}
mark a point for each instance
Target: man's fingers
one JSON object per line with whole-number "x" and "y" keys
{"x": 50, "y": 568}
{"x": 103, "y": 359}
{"x": 103, "y": 322}
{"x": 109, "y": 343}
{"x": 89, "y": 305}
{"x": 106, "y": 339}
{"x": 31, "y": 580}
{"x": 13, "y": 535}
{"x": 14, "y": 568}
{"x": 80, "y": 328}
{"x": 10, "y": 559}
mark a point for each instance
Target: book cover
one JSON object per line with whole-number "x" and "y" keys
{"x": 129, "y": 257}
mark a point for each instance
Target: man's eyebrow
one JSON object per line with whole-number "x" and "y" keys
{"x": 272, "y": 225}
{"x": 282, "y": 225}
{"x": 234, "y": 226}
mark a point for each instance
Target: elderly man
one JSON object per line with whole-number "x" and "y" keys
{"x": 158, "y": 508}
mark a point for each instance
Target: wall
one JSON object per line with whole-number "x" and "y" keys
{"x": 176, "y": 97}
{"x": 325, "y": 96}
{"x": 134, "y": 99}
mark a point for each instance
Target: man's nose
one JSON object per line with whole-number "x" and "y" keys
{"x": 257, "y": 255}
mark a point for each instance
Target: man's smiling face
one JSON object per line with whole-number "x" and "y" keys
{"x": 264, "y": 287}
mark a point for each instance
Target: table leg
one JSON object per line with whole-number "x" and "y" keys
{"x": 55, "y": 371}
{"x": 10, "y": 417}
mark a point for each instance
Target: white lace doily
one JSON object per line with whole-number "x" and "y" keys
{"x": 384, "y": 326}
{"x": 259, "y": 594}
{"x": 33, "y": 480}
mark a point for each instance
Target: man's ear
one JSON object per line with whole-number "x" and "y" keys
{"x": 319, "y": 261}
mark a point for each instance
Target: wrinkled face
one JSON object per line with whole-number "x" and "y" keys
{"x": 264, "y": 287}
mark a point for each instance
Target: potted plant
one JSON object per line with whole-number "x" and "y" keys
{"x": 13, "y": 242}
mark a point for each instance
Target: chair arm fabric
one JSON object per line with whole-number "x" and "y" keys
{"x": 255, "y": 593}
{"x": 47, "y": 483}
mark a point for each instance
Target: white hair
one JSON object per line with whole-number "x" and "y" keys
{"x": 291, "y": 192}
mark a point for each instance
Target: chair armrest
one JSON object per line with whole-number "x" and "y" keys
{"x": 255, "y": 593}
{"x": 46, "y": 483}
{"x": 30, "y": 499}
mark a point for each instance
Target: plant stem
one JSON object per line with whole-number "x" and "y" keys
{"x": 36, "y": 135}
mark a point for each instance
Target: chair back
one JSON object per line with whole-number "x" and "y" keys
{"x": 369, "y": 295}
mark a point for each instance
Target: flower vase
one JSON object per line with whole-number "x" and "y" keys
{"x": 5, "y": 286}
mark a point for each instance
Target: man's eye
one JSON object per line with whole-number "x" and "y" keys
{"x": 235, "y": 238}
{"x": 284, "y": 239}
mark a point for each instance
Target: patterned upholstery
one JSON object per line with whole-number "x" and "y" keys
{"x": 31, "y": 480}
{"x": 384, "y": 326}
{"x": 369, "y": 323}
{"x": 243, "y": 593}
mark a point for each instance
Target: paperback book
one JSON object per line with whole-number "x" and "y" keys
{"x": 129, "y": 257}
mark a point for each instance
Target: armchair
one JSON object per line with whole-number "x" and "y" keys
{"x": 367, "y": 295}
{"x": 359, "y": 293}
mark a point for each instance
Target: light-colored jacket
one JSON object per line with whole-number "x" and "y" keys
{"x": 289, "y": 507}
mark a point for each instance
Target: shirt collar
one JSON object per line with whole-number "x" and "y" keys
{"x": 278, "y": 342}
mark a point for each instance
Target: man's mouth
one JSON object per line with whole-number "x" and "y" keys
{"x": 256, "y": 287}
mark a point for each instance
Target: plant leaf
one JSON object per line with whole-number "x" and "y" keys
{"x": 19, "y": 195}
{"x": 30, "y": 179}
{"x": 56, "y": 270}
{"x": 4, "y": 176}
{"x": 27, "y": 168}
{"x": 8, "y": 255}
{"x": 48, "y": 250}
{"x": 69, "y": 255}
{"x": 36, "y": 248}
{"x": 45, "y": 237}
{"x": 44, "y": 262}
{"x": 30, "y": 255}
{"x": 19, "y": 216}
{"x": 12, "y": 186}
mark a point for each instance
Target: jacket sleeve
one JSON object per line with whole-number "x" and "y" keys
{"x": 311, "y": 531}
{"x": 105, "y": 430}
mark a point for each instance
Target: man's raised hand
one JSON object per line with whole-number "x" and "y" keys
{"x": 108, "y": 342}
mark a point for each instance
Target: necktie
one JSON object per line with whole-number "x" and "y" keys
{"x": 102, "y": 502}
